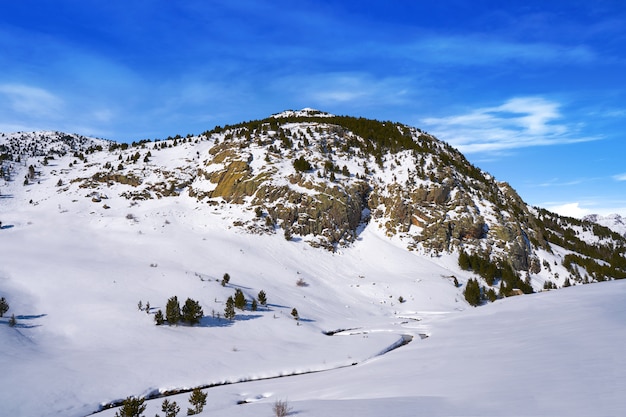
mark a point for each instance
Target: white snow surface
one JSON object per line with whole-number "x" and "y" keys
{"x": 73, "y": 273}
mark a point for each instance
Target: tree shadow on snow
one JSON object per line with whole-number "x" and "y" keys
{"x": 208, "y": 321}
{"x": 21, "y": 325}
{"x": 246, "y": 317}
{"x": 275, "y": 305}
{"x": 306, "y": 320}
{"x": 30, "y": 317}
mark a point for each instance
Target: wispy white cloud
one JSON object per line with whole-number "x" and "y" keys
{"x": 519, "y": 122}
{"x": 558, "y": 183}
{"x": 569, "y": 209}
{"x": 582, "y": 208}
{"x": 29, "y": 108}
{"x": 358, "y": 89}
{"x": 31, "y": 101}
{"x": 482, "y": 50}
{"x": 587, "y": 202}
{"x": 620, "y": 177}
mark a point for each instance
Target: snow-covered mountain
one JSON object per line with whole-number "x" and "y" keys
{"x": 375, "y": 232}
{"x": 614, "y": 222}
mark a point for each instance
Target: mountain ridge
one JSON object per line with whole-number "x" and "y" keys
{"x": 614, "y": 221}
{"x": 323, "y": 178}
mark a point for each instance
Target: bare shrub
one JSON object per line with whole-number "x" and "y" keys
{"x": 281, "y": 408}
{"x": 301, "y": 283}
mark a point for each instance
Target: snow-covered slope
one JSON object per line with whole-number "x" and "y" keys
{"x": 91, "y": 228}
{"x": 74, "y": 281}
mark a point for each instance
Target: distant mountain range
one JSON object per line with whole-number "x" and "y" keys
{"x": 614, "y": 222}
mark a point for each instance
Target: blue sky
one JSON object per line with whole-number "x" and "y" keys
{"x": 534, "y": 92}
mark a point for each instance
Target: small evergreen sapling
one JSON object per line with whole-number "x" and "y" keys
{"x": 240, "y": 299}
{"x": 262, "y": 298}
{"x": 171, "y": 409}
{"x": 172, "y": 311}
{"x": 158, "y": 318}
{"x": 198, "y": 400}
{"x": 133, "y": 407}
{"x": 229, "y": 310}
{"x": 225, "y": 279}
{"x": 4, "y": 306}
{"x": 295, "y": 314}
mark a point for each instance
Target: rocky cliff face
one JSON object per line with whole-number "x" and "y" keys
{"x": 366, "y": 172}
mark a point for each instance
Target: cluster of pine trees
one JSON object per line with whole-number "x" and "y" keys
{"x": 600, "y": 272}
{"x": 239, "y": 302}
{"x": 191, "y": 313}
{"x": 135, "y": 407}
{"x": 491, "y": 272}
{"x": 611, "y": 252}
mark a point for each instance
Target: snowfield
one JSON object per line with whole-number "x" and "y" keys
{"x": 74, "y": 271}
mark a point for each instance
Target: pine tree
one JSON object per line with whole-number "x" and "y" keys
{"x": 464, "y": 261}
{"x": 294, "y": 313}
{"x": 229, "y": 310}
{"x": 158, "y": 318}
{"x": 172, "y": 310}
{"x": 4, "y": 306}
{"x": 472, "y": 292}
{"x": 171, "y": 409}
{"x": 262, "y": 298}
{"x": 302, "y": 165}
{"x": 12, "y": 321}
{"x": 198, "y": 400}
{"x": 225, "y": 279}
{"x": 254, "y": 305}
{"x": 140, "y": 305}
{"x": 240, "y": 299}
{"x": 192, "y": 312}
{"x": 133, "y": 407}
